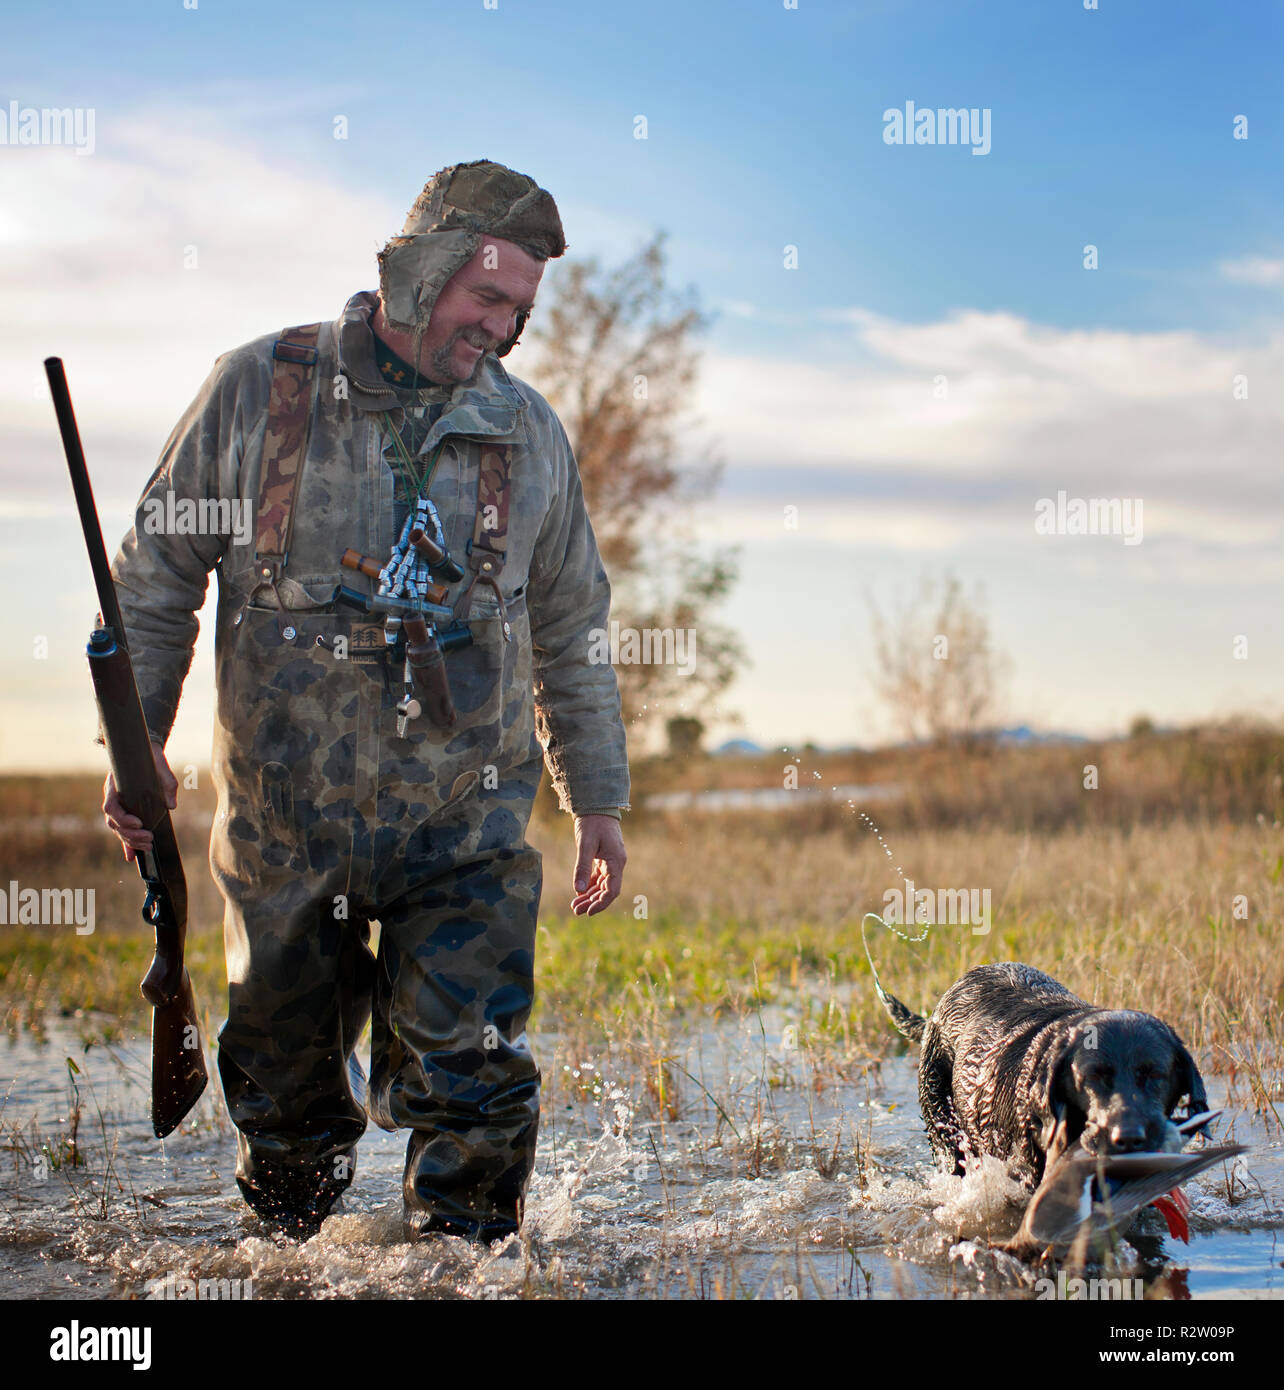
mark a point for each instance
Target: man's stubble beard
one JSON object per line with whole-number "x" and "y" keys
{"x": 442, "y": 369}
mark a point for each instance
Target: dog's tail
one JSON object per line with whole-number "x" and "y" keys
{"x": 906, "y": 1021}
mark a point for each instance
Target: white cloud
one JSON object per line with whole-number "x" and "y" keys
{"x": 1198, "y": 543}
{"x": 1030, "y": 409}
{"x": 1253, "y": 270}
{"x": 93, "y": 271}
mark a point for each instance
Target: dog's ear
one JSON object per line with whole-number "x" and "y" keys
{"x": 1186, "y": 1081}
{"x": 1052, "y": 1100}
{"x": 1055, "y": 1140}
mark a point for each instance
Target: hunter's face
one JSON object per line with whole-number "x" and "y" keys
{"x": 477, "y": 310}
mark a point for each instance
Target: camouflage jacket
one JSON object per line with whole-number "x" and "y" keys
{"x": 556, "y": 590}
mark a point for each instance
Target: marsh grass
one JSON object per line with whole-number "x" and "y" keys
{"x": 1228, "y": 770}
{"x": 1130, "y": 901}
{"x": 66, "y": 1154}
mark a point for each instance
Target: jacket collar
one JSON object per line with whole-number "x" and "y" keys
{"x": 489, "y": 405}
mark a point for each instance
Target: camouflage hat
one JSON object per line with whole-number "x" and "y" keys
{"x": 458, "y": 207}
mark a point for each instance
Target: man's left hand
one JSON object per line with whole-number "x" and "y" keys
{"x": 599, "y": 865}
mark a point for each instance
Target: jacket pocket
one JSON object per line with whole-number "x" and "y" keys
{"x": 289, "y": 707}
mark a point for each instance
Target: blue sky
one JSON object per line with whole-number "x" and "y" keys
{"x": 214, "y": 127}
{"x": 764, "y": 128}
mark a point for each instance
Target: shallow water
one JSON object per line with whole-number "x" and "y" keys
{"x": 770, "y": 798}
{"x": 788, "y": 1185}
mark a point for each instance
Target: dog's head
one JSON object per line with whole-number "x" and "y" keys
{"x": 1113, "y": 1082}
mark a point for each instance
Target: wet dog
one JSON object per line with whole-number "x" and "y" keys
{"x": 1015, "y": 1066}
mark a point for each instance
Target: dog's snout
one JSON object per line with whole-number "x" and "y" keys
{"x": 1128, "y": 1138}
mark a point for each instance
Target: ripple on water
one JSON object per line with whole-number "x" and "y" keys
{"x": 620, "y": 1206}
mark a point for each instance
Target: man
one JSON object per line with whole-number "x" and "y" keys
{"x": 345, "y": 794}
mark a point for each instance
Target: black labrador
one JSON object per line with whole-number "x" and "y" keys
{"x": 1016, "y": 1066}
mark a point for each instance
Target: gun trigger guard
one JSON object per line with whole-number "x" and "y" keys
{"x": 151, "y": 903}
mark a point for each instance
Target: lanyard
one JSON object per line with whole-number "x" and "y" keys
{"x": 403, "y": 454}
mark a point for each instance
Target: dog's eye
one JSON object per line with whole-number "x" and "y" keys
{"x": 1103, "y": 1076}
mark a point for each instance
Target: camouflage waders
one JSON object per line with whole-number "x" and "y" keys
{"x": 328, "y": 820}
{"x": 457, "y": 898}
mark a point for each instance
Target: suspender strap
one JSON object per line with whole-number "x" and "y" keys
{"x": 284, "y": 445}
{"x": 490, "y": 530}
{"x": 487, "y": 549}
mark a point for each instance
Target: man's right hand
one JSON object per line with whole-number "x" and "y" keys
{"x": 129, "y": 829}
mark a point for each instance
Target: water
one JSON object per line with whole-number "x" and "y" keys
{"x": 770, "y": 798}
{"x": 769, "y": 1177}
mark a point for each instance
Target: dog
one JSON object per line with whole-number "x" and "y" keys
{"x": 1015, "y": 1066}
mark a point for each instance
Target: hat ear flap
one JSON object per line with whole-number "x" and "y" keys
{"x": 507, "y": 347}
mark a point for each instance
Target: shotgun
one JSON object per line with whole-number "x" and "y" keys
{"x": 178, "y": 1062}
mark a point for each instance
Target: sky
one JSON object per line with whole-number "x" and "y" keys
{"x": 907, "y": 352}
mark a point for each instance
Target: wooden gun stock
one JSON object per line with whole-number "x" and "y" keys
{"x": 178, "y": 1062}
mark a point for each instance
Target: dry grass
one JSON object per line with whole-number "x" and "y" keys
{"x": 1229, "y": 771}
{"x": 741, "y": 909}
{"x": 1132, "y": 919}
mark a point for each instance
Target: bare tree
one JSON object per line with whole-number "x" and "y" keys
{"x": 937, "y": 670}
{"x": 616, "y": 360}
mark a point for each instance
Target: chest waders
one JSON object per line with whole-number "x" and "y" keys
{"x": 317, "y": 837}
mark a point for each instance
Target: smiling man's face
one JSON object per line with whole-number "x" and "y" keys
{"x": 475, "y": 313}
